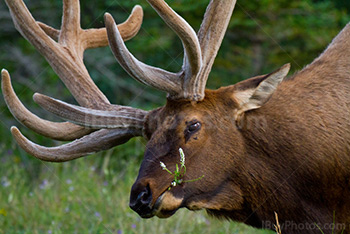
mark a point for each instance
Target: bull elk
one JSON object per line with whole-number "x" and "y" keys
{"x": 266, "y": 144}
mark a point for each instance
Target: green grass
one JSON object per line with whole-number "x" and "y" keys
{"x": 88, "y": 195}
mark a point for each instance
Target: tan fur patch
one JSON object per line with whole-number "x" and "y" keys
{"x": 198, "y": 205}
{"x": 169, "y": 202}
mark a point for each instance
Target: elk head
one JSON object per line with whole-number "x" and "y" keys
{"x": 208, "y": 131}
{"x": 192, "y": 118}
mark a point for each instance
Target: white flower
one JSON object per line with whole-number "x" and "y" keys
{"x": 162, "y": 165}
{"x": 182, "y": 157}
{"x": 173, "y": 183}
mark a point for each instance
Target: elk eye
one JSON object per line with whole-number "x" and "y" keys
{"x": 193, "y": 127}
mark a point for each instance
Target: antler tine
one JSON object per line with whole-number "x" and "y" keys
{"x": 175, "y": 84}
{"x": 100, "y": 140}
{"x": 210, "y": 35}
{"x": 60, "y": 131}
{"x": 144, "y": 73}
{"x": 185, "y": 32}
{"x": 97, "y": 37}
{"x": 70, "y": 29}
{"x": 120, "y": 117}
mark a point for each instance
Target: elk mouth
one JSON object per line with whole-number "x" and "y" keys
{"x": 148, "y": 202}
{"x": 169, "y": 202}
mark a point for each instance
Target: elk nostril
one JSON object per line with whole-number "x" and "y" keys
{"x": 145, "y": 197}
{"x": 142, "y": 201}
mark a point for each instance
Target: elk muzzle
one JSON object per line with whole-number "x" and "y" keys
{"x": 148, "y": 201}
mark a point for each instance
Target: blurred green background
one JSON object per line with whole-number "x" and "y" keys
{"x": 90, "y": 195}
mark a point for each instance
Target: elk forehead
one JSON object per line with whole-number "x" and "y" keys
{"x": 177, "y": 113}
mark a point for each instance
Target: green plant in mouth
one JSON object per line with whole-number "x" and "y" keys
{"x": 179, "y": 172}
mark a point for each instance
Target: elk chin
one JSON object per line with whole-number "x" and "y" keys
{"x": 169, "y": 202}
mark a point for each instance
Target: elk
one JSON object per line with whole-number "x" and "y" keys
{"x": 266, "y": 144}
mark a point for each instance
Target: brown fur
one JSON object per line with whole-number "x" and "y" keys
{"x": 290, "y": 156}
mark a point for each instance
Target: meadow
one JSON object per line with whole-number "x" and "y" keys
{"x": 88, "y": 195}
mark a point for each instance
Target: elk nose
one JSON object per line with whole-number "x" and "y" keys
{"x": 140, "y": 201}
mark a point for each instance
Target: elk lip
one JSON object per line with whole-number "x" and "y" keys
{"x": 169, "y": 202}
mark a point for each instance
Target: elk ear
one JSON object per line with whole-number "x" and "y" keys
{"x": 254, "y": 92}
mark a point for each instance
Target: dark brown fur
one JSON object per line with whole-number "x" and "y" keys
{"x": 291, "y": 156}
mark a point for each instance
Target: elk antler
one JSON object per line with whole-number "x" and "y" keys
{"x": 59, "y": 131}
{"x": 115, "y": 117}
{"x": 100, "y": 140}
{"x": 64, "y": 49}
{"x": 200, "y": 52}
